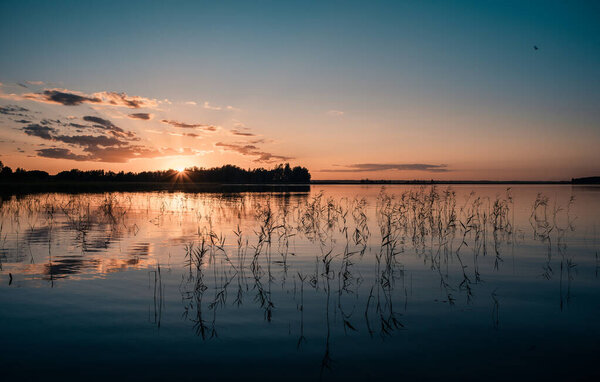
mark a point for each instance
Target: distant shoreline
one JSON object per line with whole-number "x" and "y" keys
{"x": 430, "y": 182}
{"x": 51, "y": 185}
{"x": 587, "y": 180}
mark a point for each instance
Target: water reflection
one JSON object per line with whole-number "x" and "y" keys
{"x": 321, "y": 267}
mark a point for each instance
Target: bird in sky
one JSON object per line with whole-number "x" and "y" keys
{"x": 535, "y": 47}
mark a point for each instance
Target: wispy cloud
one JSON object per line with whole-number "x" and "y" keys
{"x": 114, "y": 154}
{"x": 189, "y": 125}
{"x": 113, "y": 145}
{"x": 13, "y": 110}
{"x": 61, "y": 97}
{"x": 39, "y": 83}
{"x": 142, "y": 116}
{"x": 73, "y": 98}
{"x": 365, "y": 167}
{"x": 208, "y": 106}
{"x": 61, "y": 153}
{"x": 252, "y": 150}
{"x": 242, "y": 133}
{"x": 335, "y": 113}
{"x": 107, "y": 125}
{"x": 192, "y": 103}
{"x": 36, "y": 130}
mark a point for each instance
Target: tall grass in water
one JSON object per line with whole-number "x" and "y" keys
{"x": 357, "y": 250}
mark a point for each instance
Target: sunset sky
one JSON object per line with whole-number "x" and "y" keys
{"x": 351, "y": 90}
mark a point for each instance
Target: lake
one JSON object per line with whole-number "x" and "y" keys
{"x": 345, "y": 282}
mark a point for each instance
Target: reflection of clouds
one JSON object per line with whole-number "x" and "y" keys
{"x": 140, "y": 249}
{"x": 63, "y": 267}
{"x": 88, "y": 236}
{"x": 37, "y": 234}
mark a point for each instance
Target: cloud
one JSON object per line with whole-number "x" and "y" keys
{"x": 35, "y": 82}
{"x": 251, "y": 150}
{"x": 242, "y": 133}
{"x": 46, "y": 121}
{"x": 40, "y": 131}
{"x": 364, "y": 167}
{"x": 13, "y": 110}
{"x": 193, "y": 135}
{"x": 191, "y": 103}
{"x": 241, "y": 130}
{"x": 108, "y": 125}
{"x": 73, "y": 98}
{"x": 122, "y": 99}
{"x": 11, "y": 96}
{"x": 335, "y": 113}
{"x": 61, "y": 97}
{"x": 189, "y": 125}
{"x": 124, "y": 154}
{"x": 89, "y": 140}
{"x": 59, "y": 153}
{"x": 208, "y": 106}
{"x": 143, "y": 116}
{"x": 113, "y": 154}
{"x": 114, "y": 145}
{"x": 51, "y": 134}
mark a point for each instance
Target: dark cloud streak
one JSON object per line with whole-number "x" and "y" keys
{"x": 36, "y": 130}
{"x": 63, "y": 98}
{"x": 59, "y": 153}
{"x": 13, "y": 110}
{"x": 365, "y": 167}
{"x": 142, "y": 116}
{"x": 72, "y": 98}
{"x": 108, "y": 125}
{"x": 189, "y": 125}
{"x": 251, "y": 150}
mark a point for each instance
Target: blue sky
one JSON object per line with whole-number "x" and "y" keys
{"x": 334, "y": 84}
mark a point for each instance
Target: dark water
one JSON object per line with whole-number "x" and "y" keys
{"x": 342, "y": 283}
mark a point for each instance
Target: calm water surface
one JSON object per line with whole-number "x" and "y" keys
{"x": 342, "y": 283}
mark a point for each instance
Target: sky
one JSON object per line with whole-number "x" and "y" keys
{"x": 448, "y": 90}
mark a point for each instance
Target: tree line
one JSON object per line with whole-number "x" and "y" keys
{"x": 224, "y": 174}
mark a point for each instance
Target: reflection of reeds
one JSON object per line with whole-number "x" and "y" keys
{"x": 427, "y": 218}
{"x": 360, "y": 249}
{"x": 495, "y": 310}
{"x": 158, "y": 296}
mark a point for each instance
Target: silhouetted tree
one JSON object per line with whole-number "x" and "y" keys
{"x": 224, "y": 174}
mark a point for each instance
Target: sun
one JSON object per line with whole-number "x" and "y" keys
{"x": 180, "y": 169}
